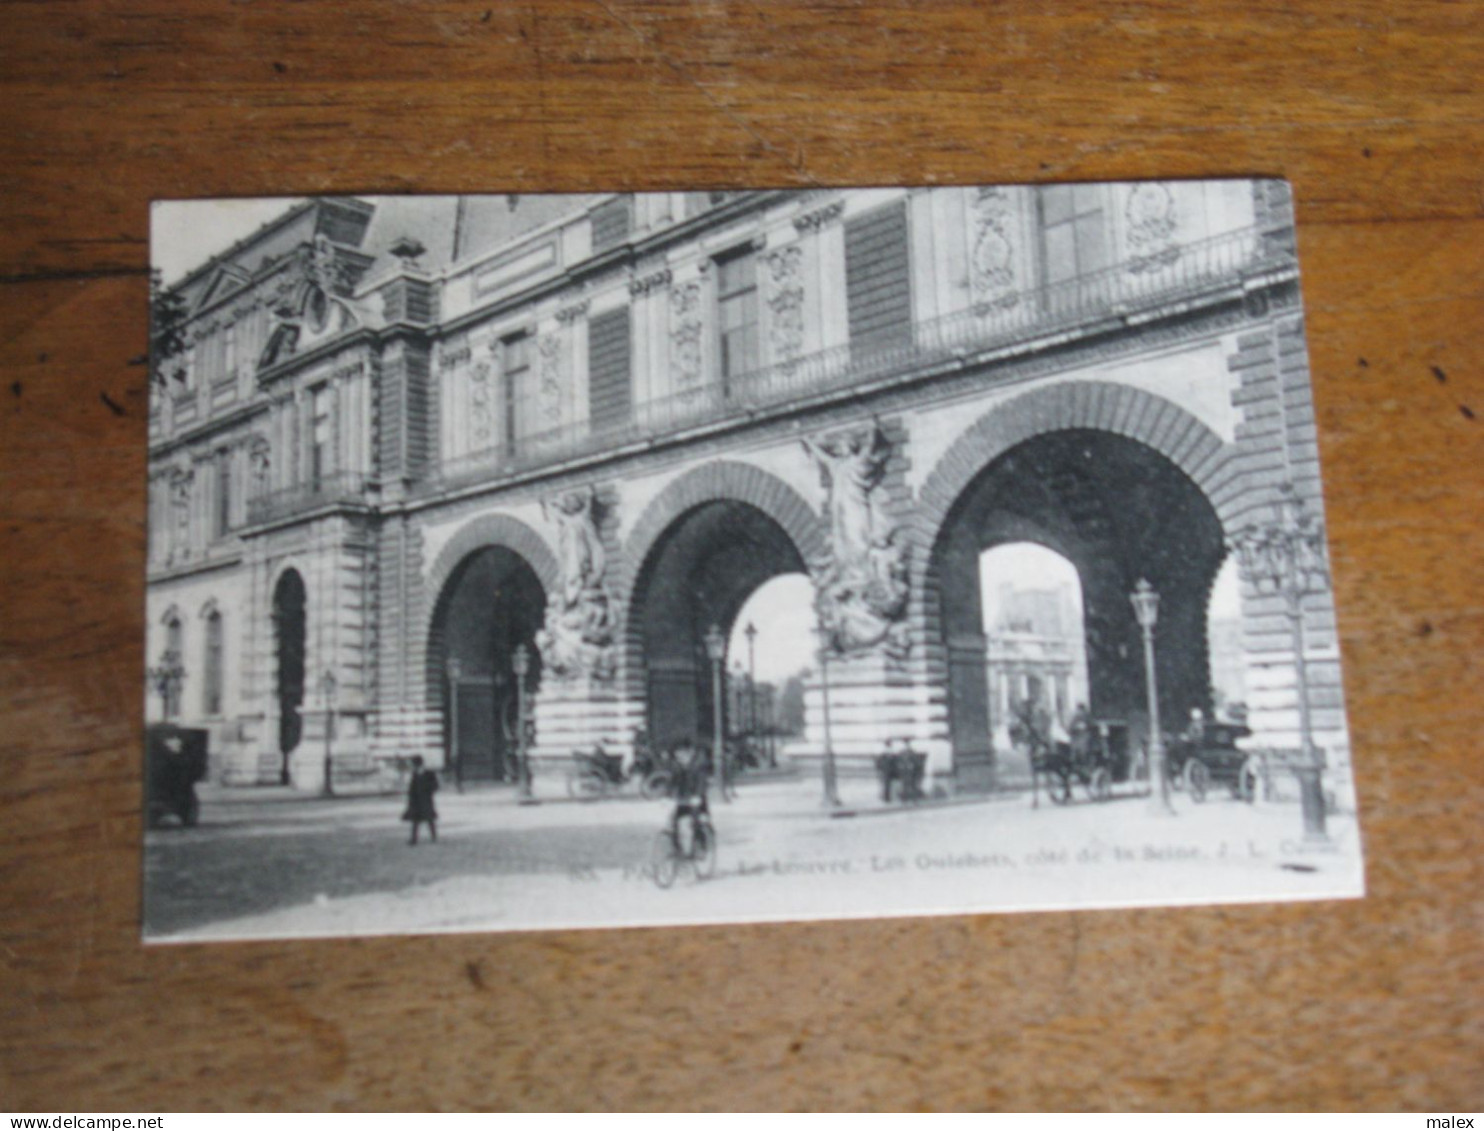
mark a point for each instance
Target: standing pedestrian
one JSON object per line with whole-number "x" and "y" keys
{"x": 420, "y": 807}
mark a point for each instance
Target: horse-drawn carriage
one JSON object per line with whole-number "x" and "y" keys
{"x": 1094, "y": 756}
{"x": 597, "y": 773}
{"x": 1207, "y": 754}
{"x": 176, "y": 761}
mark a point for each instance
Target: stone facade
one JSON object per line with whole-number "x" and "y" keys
{"x": 638, "y": 415}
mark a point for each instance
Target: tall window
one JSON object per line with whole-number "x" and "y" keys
{"x": 516, "y": 366}
{"x": 737, "y": 317}
{"x": 223, "y": 506}
{"x": 1075, "y": 231}
{"x": 319, "y": 446}
{"x": 175, "y": 648}
{"x": 878, "y": 277}
{"x": 609, "y": 352}
{"x": 212, "y": 676}
{"x": 229, "y": 352}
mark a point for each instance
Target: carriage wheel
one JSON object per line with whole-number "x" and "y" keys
{"x": 664, "y": 858}
{"x": 1197, "y": 778}
{"x": 1060, "y": 787}
{"x": 1100, "y": 784}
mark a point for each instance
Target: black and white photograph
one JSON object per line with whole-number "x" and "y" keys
{"x": 521, "y": 562}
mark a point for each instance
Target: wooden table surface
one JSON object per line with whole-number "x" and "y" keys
{"x": 1373, "y": 110}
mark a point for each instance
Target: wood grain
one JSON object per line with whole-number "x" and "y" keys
{"x": 1373, "y": 110}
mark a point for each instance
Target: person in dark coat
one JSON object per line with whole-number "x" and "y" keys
{"x": 420, "y": 807}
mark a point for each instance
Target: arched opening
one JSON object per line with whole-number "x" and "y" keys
{"x": 701, "y": 572}
{"x": 1035, "y": 644}
{"x": 1116, "y": 511}
{"x": 1224, "y": 634}
{"x": 288, "y": 639}
{"x": 493, "y": 603}
{"x": 771, "y": 652}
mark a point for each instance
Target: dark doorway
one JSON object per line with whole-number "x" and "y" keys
{"x": 289, "y": 632}
{"x": 493, "y": 603}
{"x": 701, "y": 572}
{"x": 1118, "y": 511}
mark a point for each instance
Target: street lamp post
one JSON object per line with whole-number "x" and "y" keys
{"x": 455, "y": 754}
{"x": 167, "y": 677}
{"x": 1288, "y": 557}
{"x": 521, "y": 662}
{"x": 831, "y": 781}
{"x": 716, "y": 652}
{"x": 1146, "y": 611}
{"x": 327, "y": 690}
{"x": 751, "y": 633}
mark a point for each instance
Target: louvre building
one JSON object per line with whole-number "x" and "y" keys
{"x": 418, "y": 465}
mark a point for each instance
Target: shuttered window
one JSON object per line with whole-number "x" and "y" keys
{"x": 878, "y": 286}
{"x": 611, "y": 222}
{"x": 609, "y": 364}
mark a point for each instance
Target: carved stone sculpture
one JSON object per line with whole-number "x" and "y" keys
{"x": 686, "y": 331}
{"x": 861, "y": 589}
{"x": 549, "y": 347}
{"x": 992, "y": 265}
{"x": 578, "y": 636}
{"x": 786, "y": 302}
{"x": 1152, "y": 221}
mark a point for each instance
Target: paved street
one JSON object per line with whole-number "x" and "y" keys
{"x": 267, "y": 863}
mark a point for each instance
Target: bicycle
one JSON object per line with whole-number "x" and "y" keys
{"x": 674, "y": 849}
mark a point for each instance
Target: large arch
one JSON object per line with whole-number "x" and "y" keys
{"x": 1122, "y": 483}
{"x": 290, "y": 639}
{"x": 699, "y": 550}
{"x": 1095, "y": 405}
{"x": 489, "y": 584}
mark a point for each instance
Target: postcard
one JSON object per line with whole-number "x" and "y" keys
{"x": 521, "y": 562}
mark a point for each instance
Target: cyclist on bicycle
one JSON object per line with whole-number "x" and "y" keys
{"x": 690, "y": 787}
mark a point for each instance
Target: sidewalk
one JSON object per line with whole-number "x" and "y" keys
{"x": 784, "y": 855}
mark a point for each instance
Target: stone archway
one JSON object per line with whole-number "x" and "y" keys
{"x": 490, "y": 584}
{"x": 1124, "y": 485}
{"x": 700, "y": 549}
{"x": 289, "y": 640}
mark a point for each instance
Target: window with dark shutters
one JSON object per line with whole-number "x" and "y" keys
{"x": 609, "y": 361}
{"x": 878, "y": 287}
{"x": 611, "y": 222}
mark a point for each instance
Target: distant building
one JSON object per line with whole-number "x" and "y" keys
{"x": 1034, "y": 653}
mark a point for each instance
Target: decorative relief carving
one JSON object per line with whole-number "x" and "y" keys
{"x": 260, "y": 457}
{"x": 861, "y": 589}
{"x": 992, "y": 265}
{"x": 687, "y": 331}
{"x": 569, "y": 314}
{"x": 577, "y": 639}
{"x": 786, "y": 302}
{"x": 549, "y": 391}
{"x": 820, "y": 217}
{"x": 1152, "y": 221}
{"x": 180, "y": 503}
{"x": 646, "y": 283}
{"x": 454, "y": 354}
{"x": 481, "y": 403}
